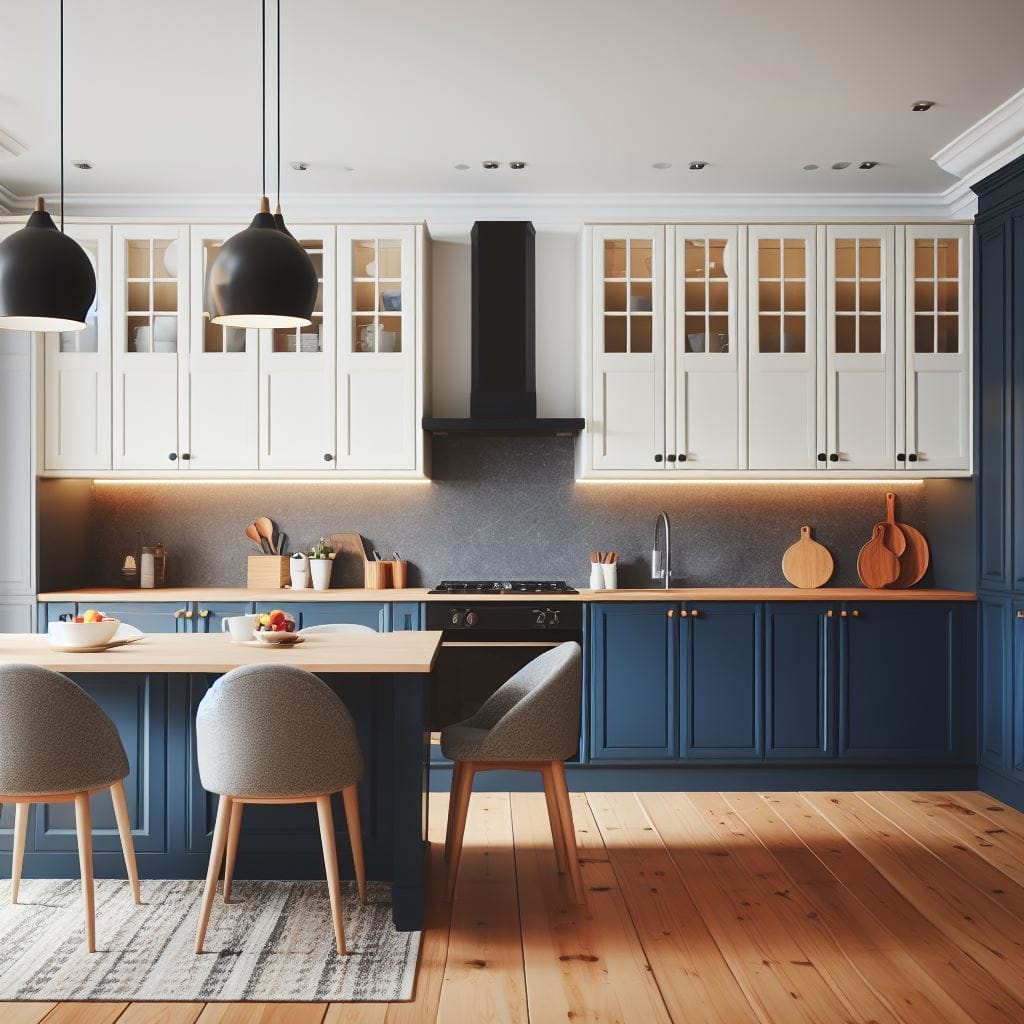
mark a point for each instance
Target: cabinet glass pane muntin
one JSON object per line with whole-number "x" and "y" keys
{"x": 936, "y": 295}
{"x": 782, "y": 295}
{"x": 308, "y": 339}
{"x": 376, "y": 292}
{"x": 151, "y": 295}
{"x": 86, "y": 340}
{"x": 858, "y": 295}
{"x": 705, "y": 296}
{"x": 628, "y": 295}
{"x": 217, "y": 337}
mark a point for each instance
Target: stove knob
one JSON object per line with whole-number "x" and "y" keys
{"x": 541, "y": 616}
{"x": 552, "y": 617}
{"x": 456, "y": 617}
{"x": 472, "y": 618}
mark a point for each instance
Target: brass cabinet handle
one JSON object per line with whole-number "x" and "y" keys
{"x": 855, "y": 613}
{"x": 1020, "y": 615}
{"x": 695, "y": 613}
{"x": 180, "y": 613}
{"x": 671, "y": 612}
{"x": 683, "y": 614}
{"x": 188, "y": 615}
{"x": 204, "y": 613}
{"x": 842, "y": 614}
{"x": 829, "y": 613}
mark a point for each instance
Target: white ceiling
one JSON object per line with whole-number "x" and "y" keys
{"x": 163, "y": 96}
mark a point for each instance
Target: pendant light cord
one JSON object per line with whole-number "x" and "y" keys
{"x": 263, "y": 90}
{"x": 279, "y": 103}
{"x": 60, "y": 108}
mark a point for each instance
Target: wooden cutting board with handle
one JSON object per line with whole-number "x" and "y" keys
{"x": 807, "y": 564}
{"x": 916, "y": 555}
{"x": 877, "y": 566}
{"x": 892, "y": 536}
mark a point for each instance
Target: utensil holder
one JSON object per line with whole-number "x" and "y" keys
{"x": 610, "y": 571}
{"x": 399, "y": 573}
{"x": 378, "y": 575}
{"x": 267, "y": 572}
{"x": 320, "y": 572}
{"x": 596, "y": 576}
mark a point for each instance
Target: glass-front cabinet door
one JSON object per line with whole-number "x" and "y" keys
{"x": 220, "y": 383}
{"x": 77, "y": 373}
{"x": 150, "y": 332}
{"x": 784, "y": 404}
{"x": 297, "y": 373}
{"x": 938, "y": 429}
{"x": 377, "y": 402}
{"x": 860, "y": 358}
{"x": 706, "y": 408}
{"x": 626, "y": 420}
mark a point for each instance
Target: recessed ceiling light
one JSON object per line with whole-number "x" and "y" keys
{"x": 491, "y": 165}
{"x": 299, "y": 165}
{"x": 698, "y": 165}
{"x": 82, "y": 165}
{"x": 517, "y": 165}
{"x": 661, "y": 165}
{"x": 922, "y": 105}
{"x": 866, "y": 165}
{"x": 810, "y": 167}
{"x": 462, "y": 167}
{"x": 840, "y": 165}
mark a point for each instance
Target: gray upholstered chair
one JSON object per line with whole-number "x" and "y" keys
{"x": 337, "y": 627}
{"x": 58, "y": 746}
{"x": 274, "y": 734}
{"x": 530, "y": 723}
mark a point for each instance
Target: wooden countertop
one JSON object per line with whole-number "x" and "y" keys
{"x": 386, "y": 653}
{"x": 110, "y": 595}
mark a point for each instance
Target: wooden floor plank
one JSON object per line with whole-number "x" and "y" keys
{"x": 693, "y": 975}
{"x": 263, "y": 1013}
{"x": 161, "y": 1013}
{"x": 583, "y": 963}
{"x": 24, "y": 1013}
{"x": 775, "y": 974}
{"x": 872, "y": 948}
{"x": 85, "y": 1013}
{"x": 989, "y": 934}
{"x": 483, "y": 976}
{"x": 1003, "y": 814}
{"x": 980, "y": 993}
{"x": 356, "y": 1013}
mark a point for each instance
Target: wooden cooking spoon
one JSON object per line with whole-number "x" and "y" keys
{"x": 265, "y": 528}
{"x": 877, "y": 566}
{"x": 250, "y": 532}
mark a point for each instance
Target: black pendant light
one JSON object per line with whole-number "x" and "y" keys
{"x": 262, "y": 277}
{"x": 47, "y": 282}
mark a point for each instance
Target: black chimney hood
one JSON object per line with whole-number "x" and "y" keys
{"x": 503, "y": 399}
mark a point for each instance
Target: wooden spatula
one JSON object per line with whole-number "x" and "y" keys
{"x": 807, "y": 564}
{"x": 892, "y": 536}
{"x": 877, "y": 566}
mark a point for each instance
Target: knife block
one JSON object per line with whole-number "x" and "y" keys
{"x": 267, "y": 572}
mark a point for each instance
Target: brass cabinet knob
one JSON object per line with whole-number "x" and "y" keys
{"x": 683, "y": 614}
{"x": 671, "y": 612}
{"x": 695, "y": 613}
{"x": 204, "y": 613}
{"x": 180, "y": 613}
{"x": 842, "y": 614}
{"x": 829, "y": 613}
{"x": 1020, "y": 615}
{"x": 188, "y": 615}
{"x": 855, "y": 613}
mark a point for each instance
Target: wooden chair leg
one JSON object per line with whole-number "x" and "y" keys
{"x": 323, "y": 811}
{"x": 459, "y": 826}
{"x": 568, "y": 830}
{"x": 554, "y": 818}
{"x": 234, "y": 830}
{"x": 350, "y": 795}
{"x": 220, "y": 838}
{"x": 124, "y": 828}
{"x": 453, "y": 799}
{"x": 18, "y": 849}
{"x": 83, "y": 825}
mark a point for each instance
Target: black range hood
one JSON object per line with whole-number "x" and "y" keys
{"x": 503, "y": 399}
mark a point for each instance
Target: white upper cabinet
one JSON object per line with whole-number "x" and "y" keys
{"x": 937, "y": 332}
{"x": 705, "y": 407}
{"x": 150, "y": 331}
{"x": 297, "y": 374}
{"x": 77, "y": 374}
{"x": 219, "y": 393}
{"x": 783, "y": 386}
{"x": 626, "y": 411}
{"x": 17, "y": 471}
{"x": 380, "y": 323}
{"x": 860, "y": 348}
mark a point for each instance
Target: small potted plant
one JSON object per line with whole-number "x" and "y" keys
{"x": 321, "y": 562}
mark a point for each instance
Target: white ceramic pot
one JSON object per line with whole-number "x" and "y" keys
{"x": 320, "y": 570}
{"x": 596, "y": 576}
{"x": 299, "y": 569}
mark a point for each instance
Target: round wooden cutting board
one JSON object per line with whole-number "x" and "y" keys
{"x": 877, "y": 566}
{"x": 807, "y": 564}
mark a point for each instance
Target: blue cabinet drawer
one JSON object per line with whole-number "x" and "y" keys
{"x": 208, "y": 616}
{"x": 316, "y": 613}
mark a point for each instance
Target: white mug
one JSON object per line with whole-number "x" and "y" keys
{"x": 241, "y": 627}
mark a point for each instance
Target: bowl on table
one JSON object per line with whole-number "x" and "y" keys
{"x": 273, "y": 638}
{"x": 82, "y": 635}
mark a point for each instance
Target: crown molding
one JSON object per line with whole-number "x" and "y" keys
{"x": 987, "y": 145}
{"x": 9, "y": 146}
{"x": 443, "y": 211}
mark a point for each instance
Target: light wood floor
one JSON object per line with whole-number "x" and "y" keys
{"x": 720, "y": 907}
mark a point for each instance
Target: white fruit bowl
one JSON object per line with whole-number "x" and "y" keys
{"x": 281, "y": 637}
{"x": 82, "y": 634}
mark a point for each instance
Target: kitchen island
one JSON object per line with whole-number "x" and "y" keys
{"x": 152, "y": 690}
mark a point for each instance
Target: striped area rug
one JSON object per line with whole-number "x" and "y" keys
{"x": 273, "y": 941}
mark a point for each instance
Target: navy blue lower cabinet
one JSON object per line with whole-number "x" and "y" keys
{"x": 995, "y": 677}
{"x": 900, "y": 679}
{"x": 405, "y": 616}
{"x": 1018, "y": 690}
{"x": 800, "y": 686}
{"x": 149, "y": 616}
{"x": 318, "y": 613}
{"x": 721, "y": 681}
{"x": 633, "y": 676}
{"x": 208, "y": 616}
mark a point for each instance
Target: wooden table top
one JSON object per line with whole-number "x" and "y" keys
{"x": 388, "y": 653}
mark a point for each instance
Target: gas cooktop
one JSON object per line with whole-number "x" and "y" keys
{"x": 503, "y": 587}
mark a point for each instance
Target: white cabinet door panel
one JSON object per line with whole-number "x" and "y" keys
{"x": 783, "y": 407}
{"x": 712, "y": 415}
{"x": 17, "y": 474}
{"x": 17, "y": 616}
{"x": 942, "y": 418}
{"x": 861, "y": 409}
{"x": 146, "y": 414}
{"x": 626, "y": 425}
{"x": 375, "y": 434}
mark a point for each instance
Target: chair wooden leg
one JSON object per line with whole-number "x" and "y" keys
{"x": 234, "y": 829}
{"x": 568, "y": 830}
{"x": 453, "y": 799}
{"x": 83, "y": 825}
{"x": 350, "y": 795}
{"x": 124, "y": 828}
{"x": 220, "y": 838}
{"x": 323, "y": 811}
{"x": 554, "y": 818}
{"x": 465, "y": 791}
{"x": 18, "y": 849}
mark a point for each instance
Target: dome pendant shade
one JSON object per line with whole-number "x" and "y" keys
{"x": 279, "y": 221}
{"x": 47, "y": 282}
{"x": 261, "y": 277}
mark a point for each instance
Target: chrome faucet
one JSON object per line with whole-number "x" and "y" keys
{"x": 661, "y": 558}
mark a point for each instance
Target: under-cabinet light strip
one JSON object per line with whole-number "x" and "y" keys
{"x": 740, "y": 481}
{"x": 250, "y": 481}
